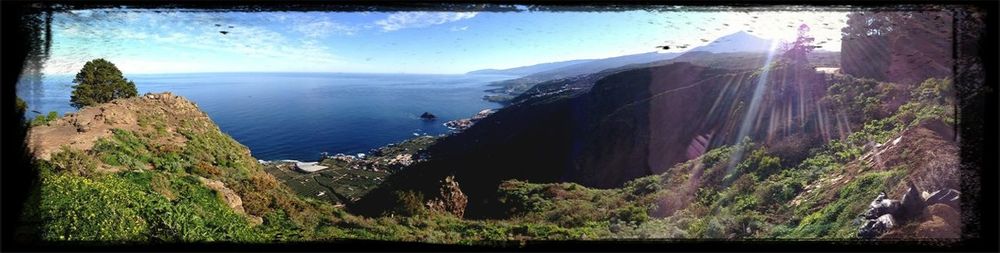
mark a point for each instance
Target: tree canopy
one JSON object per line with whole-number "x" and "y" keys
{"x": 100, "y": 81}
{"x": 798, "y": 51}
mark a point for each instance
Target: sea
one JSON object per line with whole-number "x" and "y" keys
{"x": 299, "y": 116}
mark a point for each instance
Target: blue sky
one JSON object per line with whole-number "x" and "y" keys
{"x": 171, "y": 41}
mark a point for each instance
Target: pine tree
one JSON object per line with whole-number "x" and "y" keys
{"x": 99, "y": 82}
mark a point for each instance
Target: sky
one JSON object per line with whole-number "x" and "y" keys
{"x": 179, "y": 41}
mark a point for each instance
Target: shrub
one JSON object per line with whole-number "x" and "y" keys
{"x": 520, "y": 197}
{"x": 632, "y": 214}
{"x": 42, "y": 120}
{"x": 644, "y": 185}
{"x": 409, "y": 203}
{"x": 73, "y": 161}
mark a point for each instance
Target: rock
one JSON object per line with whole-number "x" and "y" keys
{"x": 450, "y": 199}
{"x": 937, "y": 227}
{"x": 948, "y": 197}
{"x": 428, "y": 116}
{"x": 256, "y": 220}
{"x": 232, "y": 199}
{"x": 875, "y": 227}
{"x": 911, "y": 205}
{"x": 881, "y": 206}
{"x": 946, "y": 213}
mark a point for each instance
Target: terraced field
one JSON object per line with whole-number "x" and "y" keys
{"x": 348, "y": 177}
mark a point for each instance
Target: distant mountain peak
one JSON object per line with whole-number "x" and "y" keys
{"x": 740, "y": 41}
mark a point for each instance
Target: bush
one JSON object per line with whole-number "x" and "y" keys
{"x": 42, "y": 120}
{"x": 632, "y": 214}
{"x": 644, "y": 185}
{"x": 409, "y": 203}
{"x": 73, "y": 161}
{"x": 100, "y": 81}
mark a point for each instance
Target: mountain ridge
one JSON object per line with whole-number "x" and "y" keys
{"x": 530, "y": 69}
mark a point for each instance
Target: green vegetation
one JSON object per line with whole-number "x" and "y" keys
{"x": 20, "y": 106}
{"x": 834, "y": 220}
{"x": 759, "y": 196}
{"x": 151, "y": 184}
{"x": 125, "y": 207}
{"x": 858, "y": 95}
{"x": 100, "y": 81}
{"x": 44, "y": 119}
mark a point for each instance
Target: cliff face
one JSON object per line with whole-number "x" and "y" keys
{"x": 630, "y": 124}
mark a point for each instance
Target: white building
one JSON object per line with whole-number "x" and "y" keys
{"x": 309, "y": 167}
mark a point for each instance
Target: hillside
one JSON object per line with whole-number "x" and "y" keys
{"x": 511, "y": 88}
{"x": 155, "y": 169}
{"x": 704, "y": 184}
{"x": 631, "y": 124}
{"x": 746, "y": 61}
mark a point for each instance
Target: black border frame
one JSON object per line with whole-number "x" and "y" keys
{"x": 979, "y": 152}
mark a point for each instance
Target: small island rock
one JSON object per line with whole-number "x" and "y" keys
{"x": 428, "y": 116}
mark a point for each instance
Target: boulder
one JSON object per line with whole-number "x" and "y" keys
{"x": 948, "y": 197}
{"x": 936, "y": 228}
{"x": 875, "y": 227}
{"x": 911, "y": 205}
{"x": 881, "y": 206}
{"x": 946, "y": 213}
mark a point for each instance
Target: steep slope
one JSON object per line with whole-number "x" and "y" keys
{"x": 751, "y": 190}
{"x": 631, "y": 124}
{"x": 156, "y": 168}
{"x": 527, "y": 70}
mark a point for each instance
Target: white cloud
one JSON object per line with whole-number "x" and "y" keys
{"x": 324, "y": 28}
{"x": 120, "y": 36}
{"x": 456, "y": 28}
{"x": 403, "y": 20}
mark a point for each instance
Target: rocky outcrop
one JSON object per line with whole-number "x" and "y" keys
{"x": 911, "y": 205}
{"x": 947, "y": 197}
{"x": 82, "y": 129}
{"x": 450, "y": 198}
{"x": 230, "y": 197}
{"x": 933, "y": 217}
{"x": 428, "y": 116}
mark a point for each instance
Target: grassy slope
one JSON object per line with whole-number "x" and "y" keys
{"x": 758, "y": 198}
